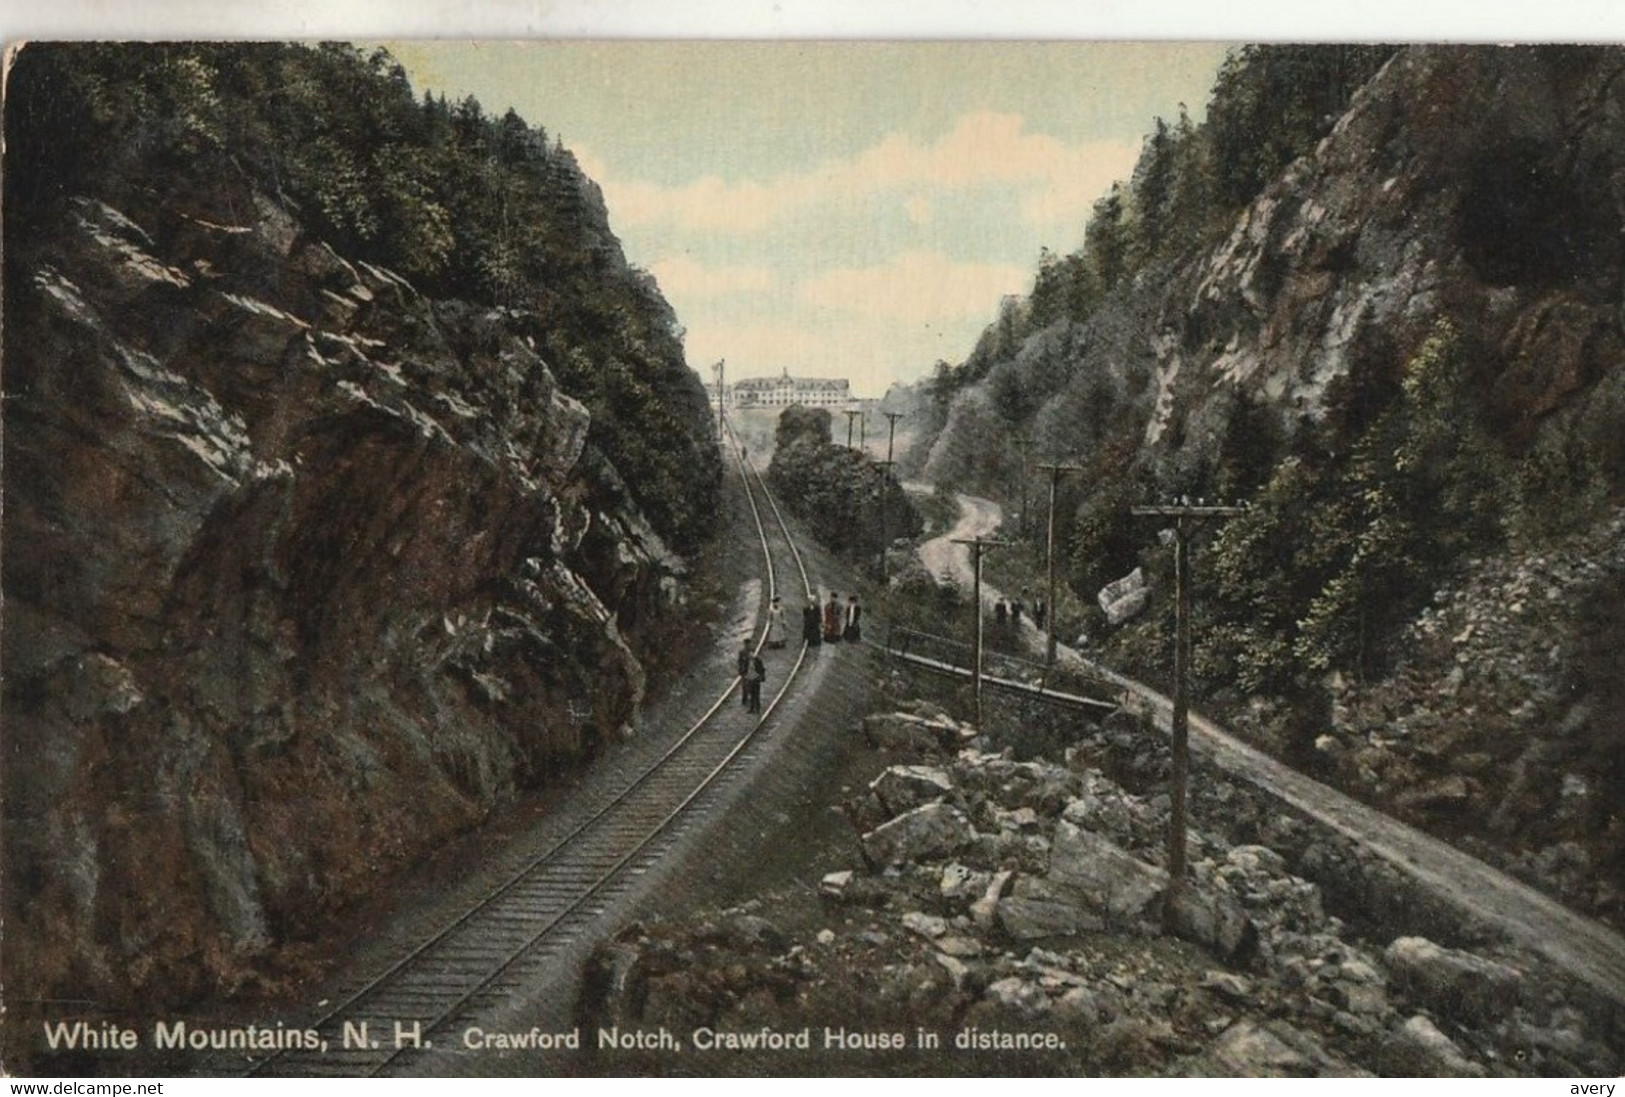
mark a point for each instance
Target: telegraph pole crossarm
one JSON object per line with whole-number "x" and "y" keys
{"x": 977, "y": 544}
{"x": 1185, "y": 517}
{"x": 1054, "y": 471}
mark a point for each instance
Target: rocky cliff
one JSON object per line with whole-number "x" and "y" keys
{"x": 305, "y": 571}
{"x": 1482, "y": 185}
{"x": 1406, "y": 352}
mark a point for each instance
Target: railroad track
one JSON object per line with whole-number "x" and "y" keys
{"x": 478, "y": 962}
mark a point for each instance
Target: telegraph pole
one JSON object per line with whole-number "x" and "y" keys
{"x": 720, "y": 395}
{"x": 885, "y": 492}
{"x": 891, "y": 430}
{"x": 1023, "y": 445}
{"x": 1049, "y": 555}
{"x": 851, "y": 414}
{"x": 1185, "y": 518}
{"x": 977, "y": 544}
{"x": 885, "y": 537}
{"x": 863, "y": 429}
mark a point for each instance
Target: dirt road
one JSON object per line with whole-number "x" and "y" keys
{"x": 947, "y": 561}
{"x": 1583, "y": 947}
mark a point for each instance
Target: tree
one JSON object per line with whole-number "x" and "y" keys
{"x": 1105, "y": 241}
{"x": 1152, "y": 186}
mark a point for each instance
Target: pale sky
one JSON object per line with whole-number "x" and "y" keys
{"x": 836, "y": 209}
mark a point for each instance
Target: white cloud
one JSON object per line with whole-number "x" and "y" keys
{"x": 917, "y": 287}
{"x": 753, "y": 350}
{"x": 682, "y": 277}
{"x": 985, "y": 148}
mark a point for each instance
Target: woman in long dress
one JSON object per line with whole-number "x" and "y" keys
{"x": 832, "y": 619}
{"x": 812, "y": 623}
{"x": 775, "y": 625}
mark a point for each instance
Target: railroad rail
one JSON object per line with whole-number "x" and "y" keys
{"x": 478, "y": 960}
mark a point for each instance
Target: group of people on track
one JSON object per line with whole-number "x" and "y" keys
{"x": 832, "y": 623}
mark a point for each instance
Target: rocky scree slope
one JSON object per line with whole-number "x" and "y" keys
{"x": 303, "y": 570}
{"x": 997, "y": 896}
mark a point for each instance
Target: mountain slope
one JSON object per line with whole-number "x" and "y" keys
{"x": 1404, "y": 350}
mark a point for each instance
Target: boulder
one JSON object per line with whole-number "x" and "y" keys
{"x": 1017, "y": 995}
{"x": 904, "y": 788}
{"x": 1105, "y": 808}
{"x": 984, "y": 911}
{"x": 1042, "y": 787}
{"x": 1217, "y": 923}
{"x": 1123, "y": 598}
{"x": 865, "y": 810}
{"x": 953, "y": 944}
{"x": 929, "y": 831}
{"x": 1250, "y": 1050}
{"x": 1227, "y": 985}
{"x": 834, "y": 884}
{"x": 1084, "y": 1007}
{"x": 960, "y": 884}
{"x": 1102, "y": 877}
{"x": 1417, "y": 1049}
{"x": 1453, "y": 983}
{"x": 902, "y": 733}
{"x": 1035, "y": 910}
{"x": 929, "y": 926}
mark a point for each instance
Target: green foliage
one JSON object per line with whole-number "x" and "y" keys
{"x": 467, "y": 206}
{"x": 802, "y": 424}
{"x": 1557, "y": 489}
{"x": 1337, "y": 551}
{"x": 848, "y": 502}
{"x": 1272, "y": 103}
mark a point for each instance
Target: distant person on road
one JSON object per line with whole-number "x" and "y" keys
{"x": 1039, "y": 614}
{"x": 755, "y": 674}
{"x": 775, "y": 625}
{"x": 743, "y": 663}
{"x": 853, "y": 632}
{"x": 832, "y": 619}
{"x": 1001, "y": 613}
{"x": 1017, "y": 608}
{"x": 812, "y": 623}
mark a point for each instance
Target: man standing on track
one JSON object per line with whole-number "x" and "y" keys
{"x": 754, "y": 675}
{"x": 854, "y": 613}
{"x": 812, "y": 624}
{"x": 743, "y": 663}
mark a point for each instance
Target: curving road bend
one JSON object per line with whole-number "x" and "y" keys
{"x": 1585, "y": 948}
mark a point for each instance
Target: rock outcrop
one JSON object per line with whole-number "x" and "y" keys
{"x": 304, "y": 573}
